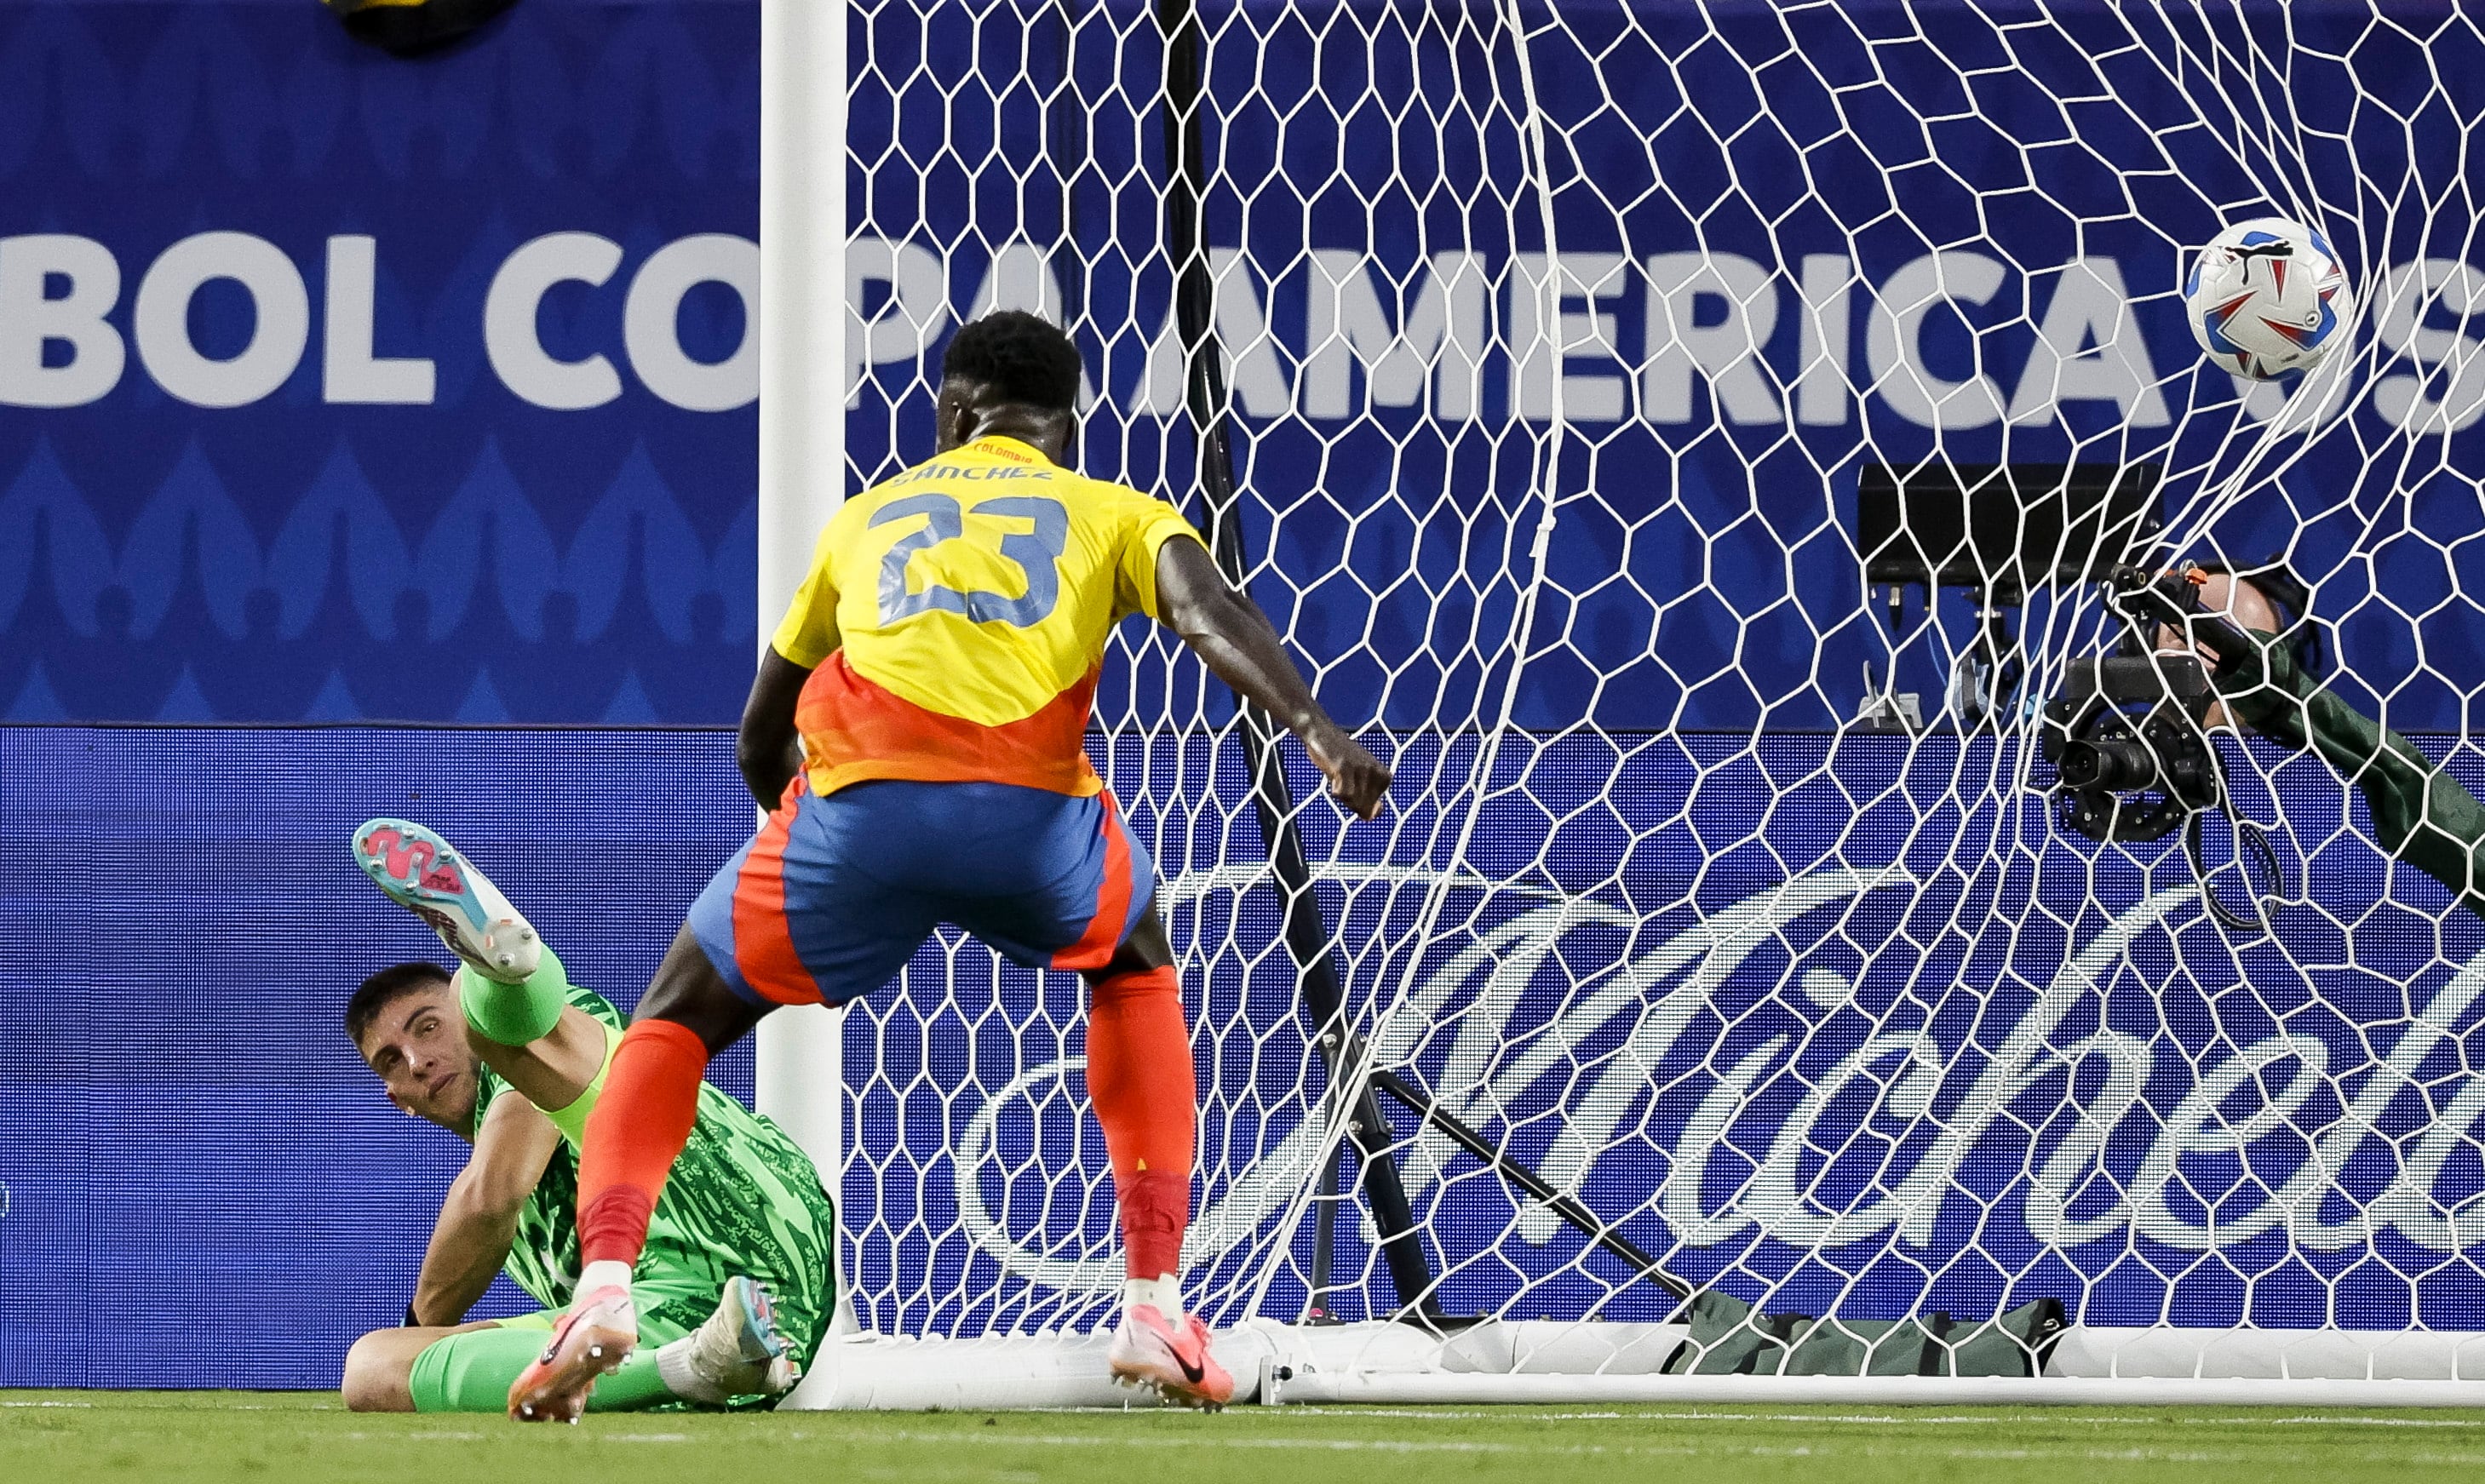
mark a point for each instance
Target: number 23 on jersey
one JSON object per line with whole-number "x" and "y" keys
{"x": 1032, "y": 550}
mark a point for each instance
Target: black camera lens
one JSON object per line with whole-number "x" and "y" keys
{"x": 2111, "y": 763}
{"x": 2079, "y": 764}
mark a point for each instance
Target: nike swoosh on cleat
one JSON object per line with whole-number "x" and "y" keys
{"x": 1190, "y": 1373}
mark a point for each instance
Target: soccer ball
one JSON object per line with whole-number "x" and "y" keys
{"x": 2267, "y": 297}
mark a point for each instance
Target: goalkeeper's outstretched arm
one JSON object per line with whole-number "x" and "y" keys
{"x": 2421, "y": 815}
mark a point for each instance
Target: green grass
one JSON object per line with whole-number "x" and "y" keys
{"x": 71, "y": 1436}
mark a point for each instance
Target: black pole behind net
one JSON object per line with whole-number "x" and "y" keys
{"x": 1306, "y": 930}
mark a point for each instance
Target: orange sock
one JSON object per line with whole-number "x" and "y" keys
{"x": 634, "y": 1133}
{"x": 1147, "y": 1096}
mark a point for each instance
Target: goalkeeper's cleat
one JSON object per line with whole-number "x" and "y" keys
{"x": 591, "y": 1342}
{"x": 424, "y": 874}
{"x": 737, "y": 1352}
{"x": 1174, "y": 1361}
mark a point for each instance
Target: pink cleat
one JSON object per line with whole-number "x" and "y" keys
{"x": 1172, "y": 1361}
{"x": 424, "y": 873}
{"x": 599, "y": 1333}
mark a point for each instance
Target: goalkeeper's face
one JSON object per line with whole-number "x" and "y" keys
{"x": 417, "y": 1047}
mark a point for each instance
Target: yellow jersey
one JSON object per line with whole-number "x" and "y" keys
{"x": 955, "y": 618}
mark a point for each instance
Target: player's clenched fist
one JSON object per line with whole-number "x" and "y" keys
{"x": 1356, "y": 779}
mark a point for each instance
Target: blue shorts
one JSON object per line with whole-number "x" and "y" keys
{"x": 835, "y": 895}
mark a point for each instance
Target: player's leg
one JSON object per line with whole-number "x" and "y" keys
{"x": 733, "y": 1345}
{"x": 512, "y": 986}
{"x": 1095, "y": 913}
{"x": 706, "y": 1349}
{"x": 473, "y": 1372}
{"x": 636, "y": 1130}
{"x": 379, "y": 1369}
{"x": 1146, "y": 1093}
{"x": 788, "y": 921}
{"x": 468, "y": 1367}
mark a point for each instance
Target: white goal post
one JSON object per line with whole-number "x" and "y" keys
{"x": 802, "y": 442}
{"x": 1727, "y": 935}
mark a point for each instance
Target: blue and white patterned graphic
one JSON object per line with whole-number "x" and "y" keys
{"x": 482, "y": 326}
{"x": 335, "y": 387}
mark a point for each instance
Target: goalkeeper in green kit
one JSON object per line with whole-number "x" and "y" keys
{"x": 509, "y": 1056}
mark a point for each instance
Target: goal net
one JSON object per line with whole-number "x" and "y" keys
{"x": 1559, "y": 350}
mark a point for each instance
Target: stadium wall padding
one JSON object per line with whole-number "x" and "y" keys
{"x": 206, "y": 1187}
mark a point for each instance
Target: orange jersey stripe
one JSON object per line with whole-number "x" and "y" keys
{"x": 855, "y": 731}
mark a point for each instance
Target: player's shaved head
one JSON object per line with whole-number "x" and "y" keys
{"x": 2240, "y": 599}
{"x": 1009, "y": 374}
{"x": 2237, "y": 598}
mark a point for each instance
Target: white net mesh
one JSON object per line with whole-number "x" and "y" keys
{"x": 1559, "y": 340}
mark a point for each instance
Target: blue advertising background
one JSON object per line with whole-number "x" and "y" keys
{"x": 481, "y": 556}
{"x": 191, "y": 1145}
{"x": 480, "y": 559}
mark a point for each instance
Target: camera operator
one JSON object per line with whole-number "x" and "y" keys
{"x": 2268, "y": 676}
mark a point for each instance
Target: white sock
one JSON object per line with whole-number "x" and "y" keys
{"x": 1164, "y": 1294}
{"x": 607, "y": 1274}
{"x": 682, "y": 1378}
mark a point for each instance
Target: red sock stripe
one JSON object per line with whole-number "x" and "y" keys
{"x": 763, "y": 946}
{"x": 614, "y": 1225}
{"x": 1096, "y": 946}
{"x": 1155, "y": 1211}
{"x": 633, "y": 1136}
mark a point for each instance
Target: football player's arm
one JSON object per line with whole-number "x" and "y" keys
{"x": 479, "y": 1218}
{"x": 768, "y": 747}
{"x": 1240, "y": 647}
{"x": 2420, "y": 814}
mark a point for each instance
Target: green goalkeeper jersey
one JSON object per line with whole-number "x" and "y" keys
{"x": 742, "y": 1201}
